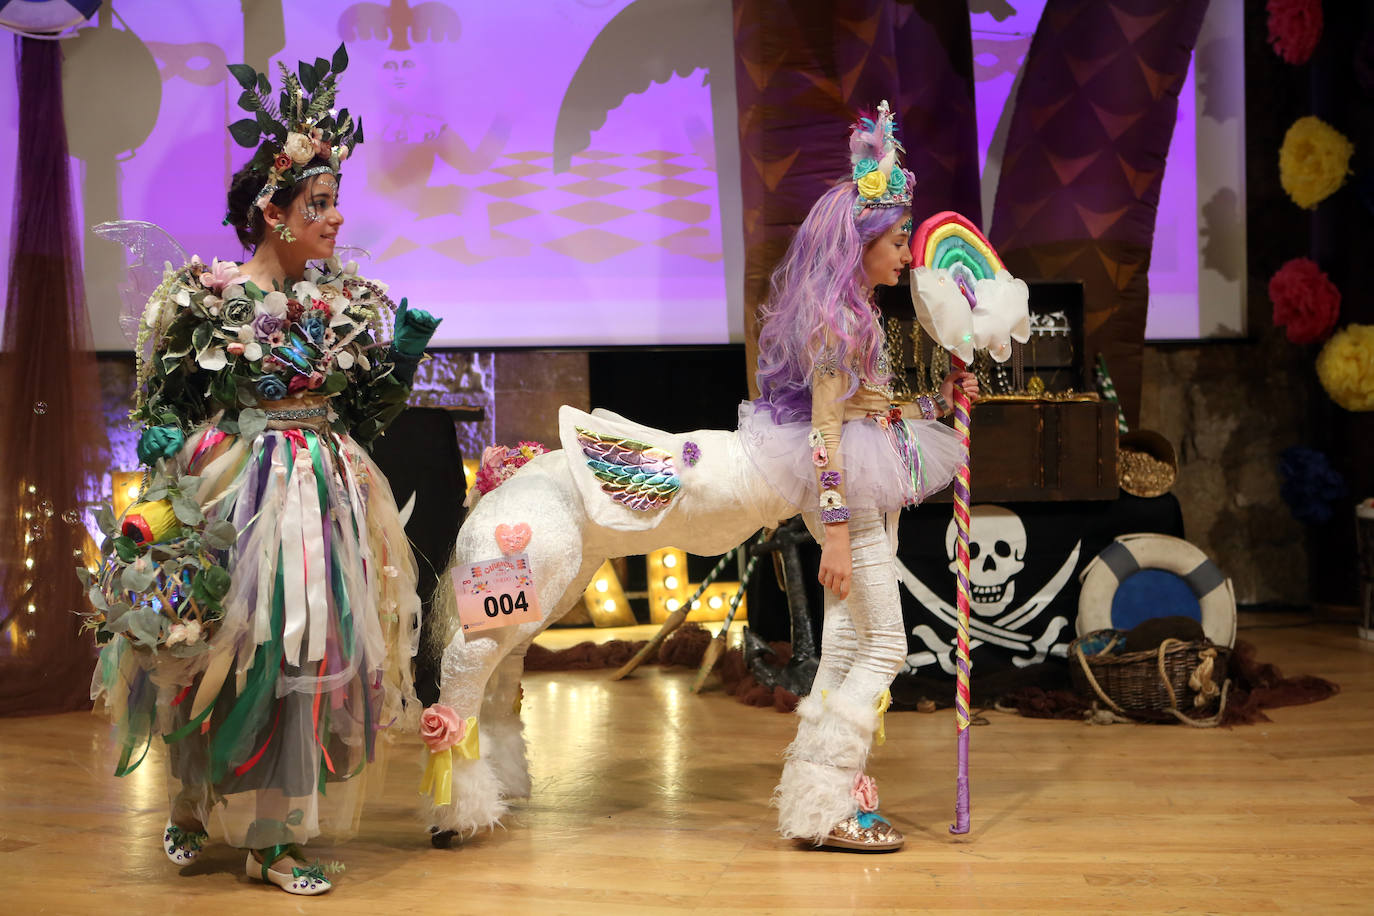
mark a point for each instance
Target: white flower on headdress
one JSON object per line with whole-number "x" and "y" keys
{"x": 299, "y": 147}
{"x": 344, "y": 359}
{"x": 274, "y": 304}
{"x": 252, "y": 351}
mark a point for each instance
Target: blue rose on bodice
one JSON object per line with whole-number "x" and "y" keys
{"x": 315, "y": 328}
{"x": 271, "y": 388}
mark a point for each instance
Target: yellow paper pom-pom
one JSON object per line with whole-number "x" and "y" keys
{"x": 1346, "y": 367}
{"x": 1313, "y": 161}
{"x": 873, "y": 185}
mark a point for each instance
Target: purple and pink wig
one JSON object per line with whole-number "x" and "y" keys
{"x": 817, "y": 295}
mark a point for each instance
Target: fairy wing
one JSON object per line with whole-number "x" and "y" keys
{"x": 633, "y": 473}
{"x": 149, "y": 250}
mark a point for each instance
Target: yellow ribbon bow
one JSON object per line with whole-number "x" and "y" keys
{"x": 884, "y": 701}
{"x": 438, "y": 778}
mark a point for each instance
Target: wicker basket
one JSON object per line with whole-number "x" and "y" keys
{"x": 1176, "y": 682}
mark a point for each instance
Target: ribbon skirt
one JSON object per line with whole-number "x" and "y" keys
{"x": 310, "y": 661}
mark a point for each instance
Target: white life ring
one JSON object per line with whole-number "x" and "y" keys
{"x": 1132, "y": 553}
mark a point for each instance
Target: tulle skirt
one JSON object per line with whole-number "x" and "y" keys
{"x": 270, "y": 732}
{"x": 887, "y": 464}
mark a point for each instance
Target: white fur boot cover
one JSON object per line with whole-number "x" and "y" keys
{"x": 831, "y": 746}
{"x": 476, "y": 799}
{"x": 503, "y": 745}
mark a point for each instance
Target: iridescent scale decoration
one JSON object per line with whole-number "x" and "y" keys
{"x": 634, "y": 474}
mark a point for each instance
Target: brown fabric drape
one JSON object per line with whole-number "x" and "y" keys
{"x": 1084, "y": 161}
{"x": 803, "y": 71}
{"x": 49, "y": 417}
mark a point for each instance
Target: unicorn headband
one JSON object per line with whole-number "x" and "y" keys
{"x": 873, "y": 150}
{"x": 297, "y": 127}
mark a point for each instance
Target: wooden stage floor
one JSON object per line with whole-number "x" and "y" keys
{"x": 649, "y": 799}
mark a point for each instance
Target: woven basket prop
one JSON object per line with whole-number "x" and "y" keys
{"x": 1183, "y": 681}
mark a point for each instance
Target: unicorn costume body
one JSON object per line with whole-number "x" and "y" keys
{"x": 824, "y": 440}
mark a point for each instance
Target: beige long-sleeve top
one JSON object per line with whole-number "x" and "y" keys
{"x": 829, "y": 411}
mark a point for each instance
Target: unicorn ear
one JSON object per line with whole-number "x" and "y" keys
{"x": 864, "y": 145}
{"x": 886, "y": 163}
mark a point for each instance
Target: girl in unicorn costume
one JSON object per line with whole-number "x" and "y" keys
{"x": 824, "y": 439}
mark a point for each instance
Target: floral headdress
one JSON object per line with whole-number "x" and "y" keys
{"x": 873, "y": 150}
{"x": 297, "y": 127}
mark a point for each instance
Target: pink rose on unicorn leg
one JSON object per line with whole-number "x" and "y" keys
{"x": 441, "y": 728}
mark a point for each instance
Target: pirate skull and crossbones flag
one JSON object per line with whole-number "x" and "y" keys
{"x": 1023, "y": 592}
{"x": 1024, "y": 563}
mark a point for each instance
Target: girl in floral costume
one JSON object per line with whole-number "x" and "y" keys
{"x": 825, "y": 435}
{"x": 257, "y": 604}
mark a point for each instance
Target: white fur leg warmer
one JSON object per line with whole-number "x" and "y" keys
{"x": 476, "y": 800}
{"x": 503, "y": 746}
{"x": 831, "y": 747}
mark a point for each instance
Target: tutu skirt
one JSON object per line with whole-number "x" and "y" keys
{"x": 270, "y": 730}
{"x": 887, "y": 464}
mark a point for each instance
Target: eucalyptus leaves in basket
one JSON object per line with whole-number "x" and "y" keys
{"x": 161, "y": 577}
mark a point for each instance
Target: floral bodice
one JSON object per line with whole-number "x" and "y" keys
{"x": 221, "y": 346}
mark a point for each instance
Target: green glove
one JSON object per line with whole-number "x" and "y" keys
{"x": 414, "y": 328}
{"x": 159, "y": 442}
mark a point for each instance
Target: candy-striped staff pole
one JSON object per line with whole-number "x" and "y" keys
{"x": 963, "y": 674}
{"x": 965, "y": 300}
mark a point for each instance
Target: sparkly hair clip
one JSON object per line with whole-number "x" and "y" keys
{"x": 297, "y": 127}
{"x": 873, "y": 150}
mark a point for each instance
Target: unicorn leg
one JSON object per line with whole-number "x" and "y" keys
{"x": 475, "y": 795}
{"x": 545, "y": 502}
{"x": 503, "y": 734}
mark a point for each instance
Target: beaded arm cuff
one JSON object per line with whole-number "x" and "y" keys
{"x": 927, "y": 406}
{"x": 837, "y": 514}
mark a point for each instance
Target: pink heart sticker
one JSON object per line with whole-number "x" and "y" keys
{"x": 513, "y": 538}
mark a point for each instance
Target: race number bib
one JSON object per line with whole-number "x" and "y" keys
{"x": 496, "y": 593}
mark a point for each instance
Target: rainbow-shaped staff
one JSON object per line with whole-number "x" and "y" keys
{"x": 965, "y": 300}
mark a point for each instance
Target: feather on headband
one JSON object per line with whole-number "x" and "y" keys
{"x": 873, "y": 152}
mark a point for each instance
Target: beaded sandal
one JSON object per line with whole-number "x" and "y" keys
{"x": 307, "y": 882}
{"x": 866, "y": 831}
{"x": 181, "y": 845}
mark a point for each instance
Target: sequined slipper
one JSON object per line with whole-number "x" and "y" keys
{"x": 864, "y": 832}
{"x": 306, "y": 882}
{"x": 182, "y": 846}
